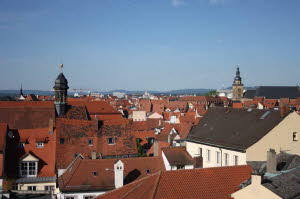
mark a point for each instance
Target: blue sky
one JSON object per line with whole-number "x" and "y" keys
{"x": 149, "y": 44}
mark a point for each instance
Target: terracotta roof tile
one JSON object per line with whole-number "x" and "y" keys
{"x": 80, "y": 175}
{"x": 26, "y": 114}
{"x": 210, "y": 183}
{"x": 178, "y": 156}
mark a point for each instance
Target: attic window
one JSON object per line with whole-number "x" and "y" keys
{"x": 295, "y": 136}
{"x": 40, "y": 145}
{"x": 90, "y": 142}
{"x": 21, "y": 145}
{"x": 111, "y": 140}
{"x": 95, "y": 173}
{"x": 147, "y": 171}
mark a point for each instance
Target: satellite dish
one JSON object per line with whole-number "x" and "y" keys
{"x": 10, "y": 134}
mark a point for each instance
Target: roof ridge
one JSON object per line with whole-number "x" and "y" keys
{"x": 156, "y": 185}
{"x": 134, "y": 182}
{"x": 73, "y": 171}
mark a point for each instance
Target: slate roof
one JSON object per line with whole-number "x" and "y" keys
{"x": 209, "y": 183}
{"x": 235, "y": 129}
{"x": 274, "y": 92}
{"x": 285, "y": 184}
{"x": 178, "y": 156}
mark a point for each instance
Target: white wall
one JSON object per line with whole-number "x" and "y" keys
{"x": 80, "y": 195}
{"x": 193, "y": 150}
{"x": 166, "y": 162}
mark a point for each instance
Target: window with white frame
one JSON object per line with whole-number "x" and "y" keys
{"x": 28, "y": 169}
{"x": 71, "y": 197}
{"x": 89, "y": 197}
{"x": 31, "y": 188}
{"x": 208, "y": 155}
{"x": 39, "y": 144}
{"x": 236, "y": 159}
{"x": 218, "y": 159}
{"x": 49, "y": 188}
{"x": 226, "y": 155}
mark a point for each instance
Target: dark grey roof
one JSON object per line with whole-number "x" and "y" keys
{"x": 235, "y": 129}
{"x": 285, "y": 184}
{"x": 36, "y": 179}
{"x": 249, "y": 94}
{"x": 285, "y": 161}
{"x": 61, "y": 82}
{"x": 275, "y": 92}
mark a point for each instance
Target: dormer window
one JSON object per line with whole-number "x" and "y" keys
{"x": 111, "y": 140}
{"x": 295, "y": 136}
{"x": 21, "y": 145}
{"x": 90, "y": 142}
{"x": 28, "y": 169}
{"x": 40, "y": 145}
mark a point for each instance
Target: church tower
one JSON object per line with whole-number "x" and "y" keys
{"x": 61, "y": 93}
{"x": 237, "y": 87}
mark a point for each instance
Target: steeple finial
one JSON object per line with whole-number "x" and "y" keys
{"x": 61, "y": 67}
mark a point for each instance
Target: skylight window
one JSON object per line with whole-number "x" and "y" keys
{"x": 265, "y": 115}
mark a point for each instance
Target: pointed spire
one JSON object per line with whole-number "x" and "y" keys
{"x": 21, "y": 90}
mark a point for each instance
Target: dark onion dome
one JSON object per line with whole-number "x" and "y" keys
{"x": 238, "y": 77}
{"x": 61, "y": 83}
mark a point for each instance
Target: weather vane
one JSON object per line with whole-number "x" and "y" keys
{"x": 61, "y": 67}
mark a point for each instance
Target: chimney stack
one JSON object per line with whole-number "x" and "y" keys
{"x": 155, "y": 148}
{"x": 256, "y": 179}
{"x": 271, "y": 161}
{"x": 119, "y": 174}
{"x": 94, "y": 155}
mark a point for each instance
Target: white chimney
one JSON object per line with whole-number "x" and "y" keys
{"x": 256, "y": 179}
{"x": 155, "y": 148}
{"x": 119, "y": 174}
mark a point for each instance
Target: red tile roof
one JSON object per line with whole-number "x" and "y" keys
{"x": 3, "y": 132}
{"x": 46, "y": 154}
{"x": 26, "y": 114}
{"x": 143, "y": 135}
{"x": 160, "y": 145}
{"x": 80, "y": 176}
{"x": 210, "y": 183}
{"x": 76, "y": 134}
{"x": 96, "y": 107}
{"x": 178, "y": 156}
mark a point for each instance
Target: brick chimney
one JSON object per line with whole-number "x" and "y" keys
{"x": 155, "y": 148}
{"x": 119, "y": 174}
{"x": 271, "y": 161}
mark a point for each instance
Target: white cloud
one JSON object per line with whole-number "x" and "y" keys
{"x": 177, "y": 2}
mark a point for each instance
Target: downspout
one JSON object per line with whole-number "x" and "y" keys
{"x": 221, "y": 157}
